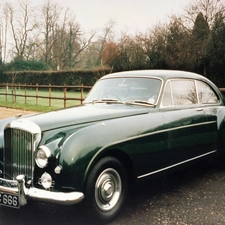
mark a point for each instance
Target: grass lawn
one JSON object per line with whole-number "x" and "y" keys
{"x": 38, "y": 104}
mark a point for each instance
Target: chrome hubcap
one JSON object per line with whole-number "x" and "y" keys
{"x": 108, "y": 189}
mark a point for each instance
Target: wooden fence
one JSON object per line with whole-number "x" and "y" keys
{"x": 11, "y": 90}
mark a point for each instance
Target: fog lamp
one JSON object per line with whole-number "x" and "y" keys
{"x": 46, "y": 180}
{"x": 42, "y": 155}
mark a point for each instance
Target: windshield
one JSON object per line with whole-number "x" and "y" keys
{"x": 125, "y": 90}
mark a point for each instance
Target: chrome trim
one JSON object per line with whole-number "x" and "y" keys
{"x": 143, "y": 135}
{"x": 47, "y": 152}
{"x": 137, "y": 76}
{"x": 196, "y": 87}
{"x": 177, "y": 164}
{"x": 33, "y": 193}
{"x": 191, "y": 125}
{"x": 26, "y": 125}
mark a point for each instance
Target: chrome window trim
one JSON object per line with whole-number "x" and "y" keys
{"x": 196, "y": 88}
{"x": 144, "y": 76}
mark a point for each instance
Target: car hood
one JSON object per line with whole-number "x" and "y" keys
{"x": 84, "y": 114}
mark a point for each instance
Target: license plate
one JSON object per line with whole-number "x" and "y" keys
{"x": 9, "y": 200}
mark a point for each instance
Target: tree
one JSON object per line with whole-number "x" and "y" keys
{"x": 216, "y": 50}
{"x": 50, "y": 13}
{"x": 107, "y": 30}
{"x": 155, "y": 47}
{"x": 4, "y": 33}
{"x": 200, "y": 39}
{"x": 63, "y": 41}
{"x": 22, "y": 65}
{"x": 177, "y": 45}
{"x": 110, "y": 54}
{"x": 208, "y": 8}
{"x": 22, "y": 25}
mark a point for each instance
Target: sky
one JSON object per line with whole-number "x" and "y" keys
{"x": 128, "y": 15}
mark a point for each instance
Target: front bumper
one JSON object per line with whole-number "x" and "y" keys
{"x": 18, "y": 187}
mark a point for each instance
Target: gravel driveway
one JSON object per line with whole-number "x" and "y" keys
{"x": 8, "y": 112}
{"x": 193, "y": 196}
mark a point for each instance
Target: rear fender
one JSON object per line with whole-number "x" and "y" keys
{"x": 221, "y": 130}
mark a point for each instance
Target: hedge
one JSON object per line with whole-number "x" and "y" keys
{"x": 71, "y": 77}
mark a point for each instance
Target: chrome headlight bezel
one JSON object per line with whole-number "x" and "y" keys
{"x": 46, "y": 180}
{"x": 41, "y": 156}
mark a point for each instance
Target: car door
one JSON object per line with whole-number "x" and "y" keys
{"x": 211, "y": 105}
{"x": 185, "y": 122}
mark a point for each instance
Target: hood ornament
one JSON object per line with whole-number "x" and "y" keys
{"x": 18, "y": 115}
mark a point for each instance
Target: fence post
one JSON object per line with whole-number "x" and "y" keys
{"x": 13, "y": 93}
{"x": 6, "y": 92}
{"x": 36, "y": 94}
{"x": 50, "y": 95}
{"x": 10, "y": 90}
{"x": 25, "y": 93}
{"x": 81, "y": 93}
{"x": 64, "y": 95}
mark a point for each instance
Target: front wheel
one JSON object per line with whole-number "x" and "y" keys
{"x": 106, "y": 189}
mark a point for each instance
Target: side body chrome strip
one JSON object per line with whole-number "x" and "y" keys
{"x": 177, "y": 164}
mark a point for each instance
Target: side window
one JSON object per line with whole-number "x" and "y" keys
{"x": 205, "y": 93}
{"x": 184, "y": 92}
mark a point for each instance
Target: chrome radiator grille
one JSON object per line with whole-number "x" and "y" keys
{"x": 18, "y": 153}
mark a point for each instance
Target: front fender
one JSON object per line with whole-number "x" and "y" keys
{"x": 84, "y": 147}
{"x": 78, "y": 150}
{"x": 81, "y": 148}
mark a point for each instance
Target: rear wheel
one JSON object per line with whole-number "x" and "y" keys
{"x": 106, "y": 189}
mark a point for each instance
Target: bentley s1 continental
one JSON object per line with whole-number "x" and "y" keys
{"x": 131, "y": 125}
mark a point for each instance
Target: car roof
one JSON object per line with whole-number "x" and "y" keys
{"x": 163, "y": 74}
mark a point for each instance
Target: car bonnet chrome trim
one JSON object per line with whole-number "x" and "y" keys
{"x": 26, "y": 125}
{"x": 177, "y": 164}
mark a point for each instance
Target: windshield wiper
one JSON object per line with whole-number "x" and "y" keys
{"x": 107, "y": 100}
{"x": 116, "y": 101}
{"x": 139, "y": 102}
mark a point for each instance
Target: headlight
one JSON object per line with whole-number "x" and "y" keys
{"x": 46, "y": 180}
{"x": 42, "y": 155}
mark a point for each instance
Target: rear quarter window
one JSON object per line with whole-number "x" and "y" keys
{"x": 206, "y": 95}
{"x": 188, "y": 92}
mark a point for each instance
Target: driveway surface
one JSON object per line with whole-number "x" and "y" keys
{"x": 192, "y": 196}
{"x": 8, "y": 112}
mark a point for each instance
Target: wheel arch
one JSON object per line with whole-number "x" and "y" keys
{"x": 117, "y": 154}
{"x": 221, "y": 130}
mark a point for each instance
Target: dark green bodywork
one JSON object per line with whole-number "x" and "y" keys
{"x": 147, "y": 139}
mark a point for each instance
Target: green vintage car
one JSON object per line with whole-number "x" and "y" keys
{"x": 132, "y": 125}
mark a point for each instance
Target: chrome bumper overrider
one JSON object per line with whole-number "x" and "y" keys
{"x": 18, "y": 187}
